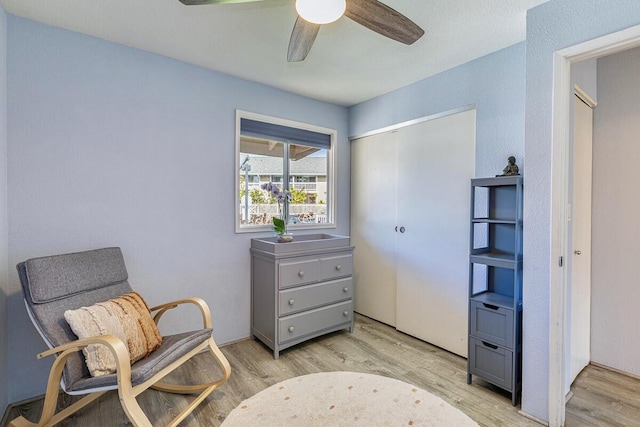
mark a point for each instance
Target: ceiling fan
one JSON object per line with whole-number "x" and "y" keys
{"x": 372, "y": 14}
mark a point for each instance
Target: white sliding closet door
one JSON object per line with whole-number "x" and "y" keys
{"x": 436, "y": 160}
{"x": 373, "y": 219}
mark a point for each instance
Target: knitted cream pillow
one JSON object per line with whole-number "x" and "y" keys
{"x": 126, "y": 317}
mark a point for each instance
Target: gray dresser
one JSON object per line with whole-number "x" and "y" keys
{"x": 495, "y": 283}
{"x": 300, "y": 290}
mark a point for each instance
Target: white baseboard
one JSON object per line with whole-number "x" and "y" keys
{"x": 533, "y": 418}
{"x": 618, "y": 371}
{"x": 568, "y": 397}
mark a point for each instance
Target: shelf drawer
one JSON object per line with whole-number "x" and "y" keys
{"x": 298, "y": 273}
{"x": 316, "y": 295}
{"x": 491, "y": 362}
{"x": 312, "y": 321}
{"x": 337, "y": 266}
{"x": 492, "y": 323}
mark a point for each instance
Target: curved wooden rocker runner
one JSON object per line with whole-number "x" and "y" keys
{"x": 55, "y": 284}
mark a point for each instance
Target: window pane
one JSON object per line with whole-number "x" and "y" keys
{"x": 293, "y": 156}
{"x": 264, "y": 163}
{"x": 308, "y": 168}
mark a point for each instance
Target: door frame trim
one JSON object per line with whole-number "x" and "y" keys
{"x": 400, "y": 125}
{"x": 560, "y": 143}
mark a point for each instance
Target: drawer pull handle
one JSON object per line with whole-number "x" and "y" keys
{"x": 338, "y": 267}
{"x": 290, "y": 328}
{"x": 345, "y": 290}
{"x": 486, "y": 344}
{"x": 345, "y": 313}
{"x": 291, "y": 301}
{"x": 301, "y": 273}
{"x": 491, "y": 306}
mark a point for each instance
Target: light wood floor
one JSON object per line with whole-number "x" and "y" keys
{"x": 601, "y": 398}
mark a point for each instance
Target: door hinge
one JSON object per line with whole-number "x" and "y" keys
{"x": 561, "y": 261}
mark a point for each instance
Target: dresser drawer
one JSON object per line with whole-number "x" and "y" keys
{"x": 492, "y": 323}
{"x": 299, "y": 272}
{"x": 312, "y": 321}
{"x": 316, "y": 295}
{"x": 491, "y": 362}
{"x": 337, "y": 266}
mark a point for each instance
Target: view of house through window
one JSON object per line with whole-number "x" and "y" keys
{"x": 294, "y": 159}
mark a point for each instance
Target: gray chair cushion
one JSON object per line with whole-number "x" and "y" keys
{"x": 56, "y": 277}
{"x": 173, "y": 347}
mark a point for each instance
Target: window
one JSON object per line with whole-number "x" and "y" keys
{"x": 281, "y": 151}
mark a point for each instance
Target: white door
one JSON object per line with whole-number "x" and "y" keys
{"x": 373, "y": 219}
{"x": 436, "y": 160}
{"x": 580, "y": 268}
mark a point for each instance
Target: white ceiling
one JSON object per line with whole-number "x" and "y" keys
{"x": 347, "y": 64}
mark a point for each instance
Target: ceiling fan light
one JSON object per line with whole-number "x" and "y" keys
{"x": 320, "y": 11}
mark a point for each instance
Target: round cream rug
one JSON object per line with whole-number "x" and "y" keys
{"x": 345, "y": 399}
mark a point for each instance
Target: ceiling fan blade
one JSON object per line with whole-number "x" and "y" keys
{"x": 383, "y": 20}
{"x": 302, "y": 37}
{"x": 198, "y": 2}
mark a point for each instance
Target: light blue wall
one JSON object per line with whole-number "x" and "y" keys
{"x": 4, "y": 242}
{"x": 550, "y": 27}
{"x": 495, "y": 84}
{"x": 109, "y": 145}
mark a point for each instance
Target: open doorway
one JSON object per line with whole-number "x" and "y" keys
{"x": 561, "y": 169}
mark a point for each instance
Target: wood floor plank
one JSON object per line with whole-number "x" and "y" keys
{"x": 604, "y": 397}
{"x": 600, "y": 397}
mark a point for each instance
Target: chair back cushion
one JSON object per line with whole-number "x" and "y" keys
{"x": 57, "y": 277}
{"x": 51, "y": 285}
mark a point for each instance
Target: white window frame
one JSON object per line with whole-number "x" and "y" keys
{"x": 331, "y": 175}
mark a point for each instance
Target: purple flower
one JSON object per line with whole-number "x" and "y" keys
{"x": 274, "y": 191}
{"x": 279, "y": 224}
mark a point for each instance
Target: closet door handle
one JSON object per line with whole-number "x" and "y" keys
{"x": 402, "y": 229}
{"x": 396, "y": 228}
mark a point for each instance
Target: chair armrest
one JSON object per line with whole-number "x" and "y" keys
{"x": 112, "y": 342}
{"x": 199, "y": 302}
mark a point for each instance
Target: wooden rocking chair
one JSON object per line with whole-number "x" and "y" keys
{"x": 52, "y": 285}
